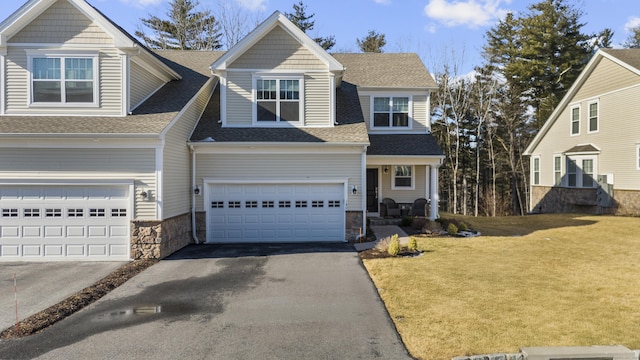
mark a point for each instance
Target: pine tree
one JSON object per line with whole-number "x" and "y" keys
{"x": 305, "y": 23}
{"x": 633, "y": 41}
{"x": 372, "y": 43}
{"x": 185, "y": 29}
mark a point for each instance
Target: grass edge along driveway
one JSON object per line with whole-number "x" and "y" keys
{"x": 541, "y": 280}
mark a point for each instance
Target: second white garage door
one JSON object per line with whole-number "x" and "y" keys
{"x": 275, "y": 213}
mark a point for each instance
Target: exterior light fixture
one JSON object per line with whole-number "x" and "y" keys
{"x": 196, "y": 190}
{"x": 354, "y": 190}
{"x": 385, "y": 170}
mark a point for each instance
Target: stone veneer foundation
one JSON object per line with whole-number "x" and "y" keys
{"x": 156, "y": 239}
{"x": 546, "y": 199}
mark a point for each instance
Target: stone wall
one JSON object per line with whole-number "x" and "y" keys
{"x": 156, "y": 239}
{"x": 353, "y": 225}
{"x": 546, "y": 199}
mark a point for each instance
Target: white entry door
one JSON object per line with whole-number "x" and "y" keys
{"x": 275, "y": 213}
{"x": 43, "y": 222}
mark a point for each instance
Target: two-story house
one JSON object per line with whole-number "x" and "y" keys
{"x": 586, "y": 157}
{"x": 110, "y": 150}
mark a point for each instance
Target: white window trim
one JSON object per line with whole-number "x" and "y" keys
{"x": 571, "y": 120}
{"x": 391, "y": 96}
{"x": 638, "y": 157}
{"x": 393, "y": 179}
{"x": 31, "y": 54}
{"x": 554, "y": 170}
{"x": 579, "y": 173}
{"x": 533, "y": 170}
{"x": 589, "y": 131}
{"x": 278, "y": 122}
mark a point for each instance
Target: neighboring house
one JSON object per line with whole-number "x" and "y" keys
{"x": 110, "y": 151}
{"x": 586, "y": 157}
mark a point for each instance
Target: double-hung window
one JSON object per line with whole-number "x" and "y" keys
{"x": 638, "y": 157}
{"x": 536, "y": 171}
{"x": 278, "y": 100}
{"x": 402, "y": 177}
{"x": 557, "y": 170}
{"x": 575, "y": 120}
{"x": 593, "y": 117}
{"x": 63, "y": 80}
{"x": 391, "y": 112}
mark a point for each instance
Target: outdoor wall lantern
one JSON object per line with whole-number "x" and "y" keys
{"x": 196, "y": 190}
{"x": 144, "y": 194}
{"x": 354, "y": 190}
{"x": 385, "y": 170}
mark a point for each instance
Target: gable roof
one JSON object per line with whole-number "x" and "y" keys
{"x": 276, "y": 19}
{"x": 404, "y": 145}
{"x": 627, "y": 58}
{"x": 148, "y": 119}
{"x": 122, "y": 39}
{"x": 386, "y": 70}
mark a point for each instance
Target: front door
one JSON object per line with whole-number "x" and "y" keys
{"x": 372, "y": 190}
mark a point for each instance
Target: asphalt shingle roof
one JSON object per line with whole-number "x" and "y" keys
{"x": 404, "y": 144}
{"x": 582, "y": 149}
{"x": 350, "y": 129}
{"x": 629, "y": 56}
{"x": 148, "y": 119}
{"x": 385, "y": 70}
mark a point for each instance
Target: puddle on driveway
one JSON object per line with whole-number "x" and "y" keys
{"x": 135, "y": 311}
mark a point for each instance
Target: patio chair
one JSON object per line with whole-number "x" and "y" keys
{"x": 419, "y": 207}
{"x": 392, "y": 207}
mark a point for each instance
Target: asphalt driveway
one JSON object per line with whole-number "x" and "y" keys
{"x": 295, "y": 301}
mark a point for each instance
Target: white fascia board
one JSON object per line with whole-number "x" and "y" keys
{"x": 277, "y": 18}
{"x": 21, "y": 18}
{"x": 276, "y": 148}
{"x": 404, "y": 159}
{"x": 187, "y": 107}
{"x": 62, "y": 142}
{"x": 584, "y": 75}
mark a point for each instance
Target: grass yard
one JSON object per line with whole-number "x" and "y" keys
{"x": 540, "y": 280}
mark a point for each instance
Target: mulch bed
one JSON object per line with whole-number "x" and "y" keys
{"x": 380, "y": 254}
{"x": 79, "y": 300}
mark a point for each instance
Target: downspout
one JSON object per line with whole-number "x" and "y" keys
{"x": 193, "y": 195}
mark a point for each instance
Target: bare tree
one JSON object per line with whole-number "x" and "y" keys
{"x": 235, "y": 21}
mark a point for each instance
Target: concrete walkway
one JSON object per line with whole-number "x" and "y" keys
{"x": 381, "y": 232}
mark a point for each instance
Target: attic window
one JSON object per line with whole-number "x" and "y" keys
{"x": 278, "y": 100}
{"x": 63, "y": 80}
{"x": 391, "y": 112}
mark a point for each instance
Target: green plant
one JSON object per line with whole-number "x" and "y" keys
{"x": 463, "y": 226}
{"x": 406, "y": 221}
{"x": 452, "y": 229}
{"x": 394, "y": 246}
{"x": 413, "y": 244}
{"x": 383, "y": 244}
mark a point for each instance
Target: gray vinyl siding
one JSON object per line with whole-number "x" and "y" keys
{"x": 71, "y": 27}
{"x": 75, "y": 164}
{"x": 278, "y": 50}
{"x": 177, "y": 157}
{"x": 618, "y": 128}
{"x": 420, "y": 189}
{"x": 110, "y": 81}
{"x": 143, "y": 84}
{"x": 419, "y": 120}
{"x": 239, "y": 99}
{"x": 317, "y": 96}
{"x": 607, "y": 76}
{"x": 287, "y": 167}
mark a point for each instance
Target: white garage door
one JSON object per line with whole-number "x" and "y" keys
{"x": 275, "y": 213}
{"x": 64, "y": 222}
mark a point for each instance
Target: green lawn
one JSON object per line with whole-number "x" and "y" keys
{"x": 541, "y": 280}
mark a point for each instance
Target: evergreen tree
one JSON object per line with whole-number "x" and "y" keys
{"x": 305, "y": 23}
{"x": 633, "y": 41}
{"x": 185, "y": 29}
{"x": 372, "y": 43}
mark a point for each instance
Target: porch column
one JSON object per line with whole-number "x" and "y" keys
{"x": 433, "y": 214}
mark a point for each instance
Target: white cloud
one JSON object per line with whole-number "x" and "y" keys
{"x": 253, "y": 5}
{"x": 431, "y": 28}
{"x": 142, "y": 3}
{"x": 383, "y": 2}
{"x": 633, "y": 22}
{"x": 472, "y": 13}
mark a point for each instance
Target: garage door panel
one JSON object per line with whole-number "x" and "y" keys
{"x": 275, "y": 212}
{"x": 83, "y": 222}
{"x": 10, "y": 231}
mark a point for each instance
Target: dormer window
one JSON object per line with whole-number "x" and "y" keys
{"x": 63, "y": 80}
{"x": 391, "y": 112}
{"x": 278, "y": 100}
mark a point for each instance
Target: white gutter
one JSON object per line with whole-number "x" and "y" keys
{"x": 193, "y": 195}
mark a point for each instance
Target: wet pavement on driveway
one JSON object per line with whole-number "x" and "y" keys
{"x": 268, "y": 301}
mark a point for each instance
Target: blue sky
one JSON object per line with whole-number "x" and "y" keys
{"x": 438, "y": 30}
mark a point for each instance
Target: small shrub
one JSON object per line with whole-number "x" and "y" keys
{"x": 406, "y": 221}
{"x": 394, "y": 246}
{"x": 413, "y": 244}
{"x": 419, "y": 223}
{"x": 383, "y": 244}
{"x": 452, "y": 229}
{"x": 463, "y": 226}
